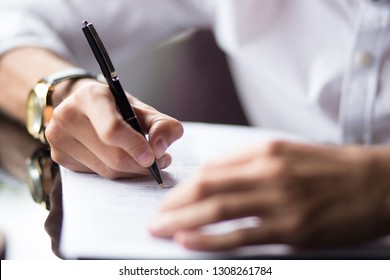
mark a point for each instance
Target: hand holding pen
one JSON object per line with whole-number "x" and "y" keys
{"x": 87, "y": 133}
{"x": 115, "y": 86}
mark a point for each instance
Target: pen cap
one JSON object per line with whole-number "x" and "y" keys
{"x": 98, "y": 49}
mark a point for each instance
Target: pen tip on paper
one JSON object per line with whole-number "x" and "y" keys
{"x": 85, "y": 23}
{"x": 162, "y": 185}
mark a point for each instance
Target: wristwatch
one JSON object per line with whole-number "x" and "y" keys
{"x": 39, "y": 102}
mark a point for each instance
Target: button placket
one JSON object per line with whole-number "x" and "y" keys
{"x": 360, "y": 82}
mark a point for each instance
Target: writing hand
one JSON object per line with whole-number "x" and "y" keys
{"x": 88, "y": 134}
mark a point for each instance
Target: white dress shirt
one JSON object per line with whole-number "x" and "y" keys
{"x": 317, "y": 68}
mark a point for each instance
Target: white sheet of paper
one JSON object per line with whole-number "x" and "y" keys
{"x": 107, "y": 218}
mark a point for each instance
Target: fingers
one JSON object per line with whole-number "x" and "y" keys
{"x": 213, "y": 179}
{"x": 197, "y": 240}
{"x": 87, "y": 133}
{"x": 226, "y": 206}
{"x": 162, "y": 129}
{"x": 75, "y": 156}
{"x": 265, "y": 231}
{"x": 205, "y": 185}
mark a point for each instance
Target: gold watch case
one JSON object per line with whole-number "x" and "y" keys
{"x": 39, "y": 110}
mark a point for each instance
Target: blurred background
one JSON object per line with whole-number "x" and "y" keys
{"x": 185, "y": 79}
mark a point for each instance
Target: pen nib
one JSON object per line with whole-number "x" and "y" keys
{"x": 162, "y": 185}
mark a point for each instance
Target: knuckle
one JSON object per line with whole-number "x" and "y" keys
{"x": 165, "y": 161}
{"x": 138, "y": 144}
{"x": 274, "y": 148}
{"x": 280, "y": 169}
{"x": 108, "y": 132}
{"x": 60, "y": 158}
{"x": 173, "y": 129}
{"x": 178, "y": 128}
{"x": 109, "y": 173}
{"x": 89, "y": 90}
{"x": 56, "y": 157}
{"x": 137, "y": 147}
{"x": 52, "y": 133}
{"x": 65, "y": 113}
{"x": 217, "y": 210}
{"x": 202, "y": 184}
{"x": 116, "y": 160}
{"x": 92, "y": 92}
{"x": 199, "y": 190}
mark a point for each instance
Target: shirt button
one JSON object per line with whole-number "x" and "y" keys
{"x": 364, "y": 59}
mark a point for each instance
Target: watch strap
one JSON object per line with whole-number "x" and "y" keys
{"x": 70, "y": 74}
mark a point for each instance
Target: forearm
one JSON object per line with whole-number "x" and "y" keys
{"x": 20, "y": 69}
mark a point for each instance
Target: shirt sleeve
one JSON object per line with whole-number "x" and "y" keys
{"x": 125, "y": 26}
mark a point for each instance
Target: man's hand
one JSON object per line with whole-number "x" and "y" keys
{"x": 88, "y": 134}
{"x": 305, "y": 196}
